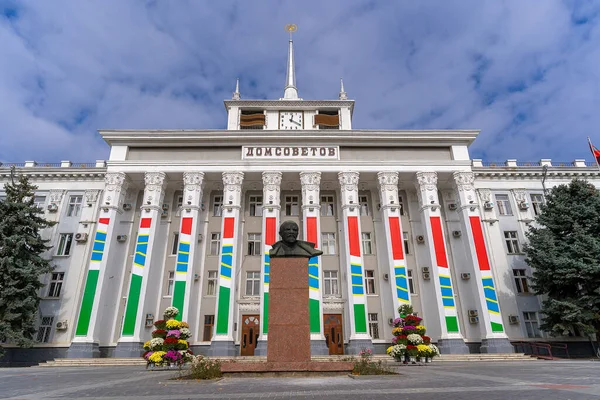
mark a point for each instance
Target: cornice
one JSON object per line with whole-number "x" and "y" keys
{"x": 62, "y": 174}
{"x": 286, "y": 104}
{"x": 513, "y": 173}
{"x": 329, "y": 137}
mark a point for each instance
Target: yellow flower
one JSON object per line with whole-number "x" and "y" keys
{"x": 185, "y": 325}
{"x": 173, "y": 324}
{"x": 147, "y": 345}
{"x": 157, "y": 357}
{"x": 397, "y": 331}
{"x": 389, "y": 350}
{"x": 184, "y": 342}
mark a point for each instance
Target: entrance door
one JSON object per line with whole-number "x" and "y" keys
{"x": 334, "y": 334}
{"x": 250, "y": 331}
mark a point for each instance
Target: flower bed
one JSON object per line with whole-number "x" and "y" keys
{"x": 409, "y": 340}
{"x": 169, "y": 346}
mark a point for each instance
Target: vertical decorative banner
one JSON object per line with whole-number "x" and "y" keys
{"x": 356, "y": 271}
{"x": 313, "y": 277}
{"x": 225, "y": 277}
{"x": 91, "y": 282}
{"x": 270, "y": 238}
{"x": 399, "y": 264}
{"x": 137, "y": 275}
{"x": 444, "y": 276}
{"x": 491, "y": 299}
{"x": 181, "y": 269}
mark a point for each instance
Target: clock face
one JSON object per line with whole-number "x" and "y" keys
{"x": 291, "y": 120}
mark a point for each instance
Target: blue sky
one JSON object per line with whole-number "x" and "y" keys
{"x": 525, "y": 72}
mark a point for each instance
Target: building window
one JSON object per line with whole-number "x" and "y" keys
{"x": 367, "y": 243}
{"x": 363, "y": 202}
{"x": 512, "y": 242}
{"x": 370, "y": 281}
{"x": 217, "y": 206}
{"x": 373, "y": 326}
{"x": 532, "y": 325}
{"x": 536, "y": 203}
{"x": 291, "y": 206}
{"x": 170, "y": 283}
{"x": 503, "y": 204}
{"x": 411, "y": 285}
{"x": 327, "y": 206}
{"x": 64, "y": 244}
{"x": 179, "y": 202}
{"x": 74, "y": 206}
{"x": 211, "y": 288}
{"x": 44, "y": 330}
{"x": 401, "y": 205}
{"x": 215, "y": 244}
{"x": 405, "y": 239}
{"x": 330, "y": 283}
{"x": 254, "y": 244}
{"x": 175, "y": 243}
{"x": 328, "y": 243}
{"x": 256, "y": 203}
{"x": 252, "y": 283}
{"x": 521, "y": 281}
{"x": 56, "y": 282}
{"x": 39, "y": 201}
{"x": 209, "y": 322}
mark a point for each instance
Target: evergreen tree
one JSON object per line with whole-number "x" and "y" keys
{"x": 21, "y": 261}
{"x": 564, "y": 252}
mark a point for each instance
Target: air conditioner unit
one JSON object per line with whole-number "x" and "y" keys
{"x": 62, "y": 325}
{"x": 386, "y": 277}
{"x": 390, "y": 321}
{"x": 523, "y": 205}
{"x": 465, "y": 276}
{"x": 425, "y": 270}
{"x": 165, "y": 207}
{"x": 420, "y": 239}
{"x": 488, "y": 205}
{"x": 456, "y": 234}
{"x": 200, "y": 237}
{"x": 121, "y": 238}
{"x": 426, "y": 276}
{"x": 474, "y": 320}
{"x": 164, "y": 213}
{"x": 513, "y": 319}
{"x": 52, "y": 207}
{"x": 473, "y": 313}
{"x": 81, "y": 237}
{"x": 452, "y": 206}
{"x": 126, "y": 206}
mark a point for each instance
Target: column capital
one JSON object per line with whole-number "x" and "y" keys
{"x": 91, "y": 195}
{"x": 154, "y": 190}
{"x": 464, "y": 180}
{"x": 191, "y": 179}
{"x": 232, "y": 190}
{"x": 349, "y": 189}
{"x": 426, "y": 180}
{"x": 271, "y": 190}
{"x": 193, "y": 184}
{"x": 388, "y": 189}
{"x": 115, "y": 188}
{"x": 311, "y": 186}
{"x": 388, "y": 180}
{"x": 426, "y": 185}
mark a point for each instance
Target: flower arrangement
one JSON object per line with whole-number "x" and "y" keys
{"x": 169, "y": 346}
{"x": 409, "y": 339}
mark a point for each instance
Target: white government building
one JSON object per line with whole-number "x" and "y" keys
{"x": 186, "y": 218}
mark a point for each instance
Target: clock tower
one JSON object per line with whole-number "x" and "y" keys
{"x": 289, "y": 112}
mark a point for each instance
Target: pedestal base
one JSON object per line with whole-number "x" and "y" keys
{"x": 128, "y": 350}
{"x": 83, "y": 350}
{"x": 222, "y": 348}
{"x": 318, "y": 348}
{"x": 452, "y": 346}
{"x": 496, "y": 346}
{"x": 261, "y": 348}
{"x": 263, "y": 368}
{"x": 356, "y": 345}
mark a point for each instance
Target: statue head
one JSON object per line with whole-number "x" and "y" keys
{"x": 289, "y": 232}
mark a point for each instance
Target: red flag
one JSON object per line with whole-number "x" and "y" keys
{"x": 595, "y": 152}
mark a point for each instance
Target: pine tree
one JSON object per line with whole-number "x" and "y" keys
{"x": 564, "y": 252}
{"x": 21, "y": 262}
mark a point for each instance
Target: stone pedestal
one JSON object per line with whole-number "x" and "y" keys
{"x": 289, "y": 321}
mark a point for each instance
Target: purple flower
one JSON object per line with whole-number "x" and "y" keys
{"x": 172, "y": 355}
{"x": 148, "y": 354}
{"x": 174, "y": 333}
{"x": 394, "y": 340}
{"x": 409, "y": 328}
{"x": 398, "y": 322}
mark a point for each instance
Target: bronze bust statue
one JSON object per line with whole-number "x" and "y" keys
{"x": 290, "y": 246}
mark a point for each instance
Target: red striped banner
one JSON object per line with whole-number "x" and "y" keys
{"x": 145, "y": 222}
{"x": 438, "y": 242}
{"x": 353, "y": 236}
{"x": 271, "y": 229}
{"x": 480, "y": 250}
{"x": 396, "y": 238}
{"x": 311, "y": 231}
{"x": 228, "y": 227}
{"x": 186, "y": 225}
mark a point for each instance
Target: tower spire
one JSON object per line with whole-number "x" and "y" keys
{"x": 343, "y": 94}
{"x": 236, "y": 94}
{"x": 290, "y": 91}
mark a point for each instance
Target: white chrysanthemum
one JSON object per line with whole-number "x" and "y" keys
{"x": 156, "y": 342}
{"x": 415, "y": 339}
{"x": 171, "y": 312}
{"x": 434, "y": 350}
{"x": 398, "y": 350}
{"x": 185, "y": 333}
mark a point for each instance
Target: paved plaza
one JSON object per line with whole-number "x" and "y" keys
{"x": 548, "y": 380}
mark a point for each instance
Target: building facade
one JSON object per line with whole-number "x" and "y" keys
{"x": 187, "y": 217}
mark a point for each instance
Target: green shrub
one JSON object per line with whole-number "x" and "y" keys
{"x": 205, "y": 368}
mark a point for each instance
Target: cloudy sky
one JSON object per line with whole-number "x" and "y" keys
{"x": 524, "y": 72}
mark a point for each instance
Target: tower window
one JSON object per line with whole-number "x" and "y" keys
{"x": 252, "y": 119}
{"x": 327, "y": 119}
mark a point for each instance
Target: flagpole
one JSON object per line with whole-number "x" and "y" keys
{"x": 593, "y": 154}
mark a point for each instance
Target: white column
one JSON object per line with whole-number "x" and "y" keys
{"x": 223, "y": 342}
{"x": 188, "y": 243}
{"x": 357, "y": 307}
{"x": 451, "y": 339}
{"x": 311, "y": 220}
{"x": 398, "y": 279}
{"x": 129, "y": 343}
{"x": 270, "y": 225}
{"x": 85, "y": 342}
{"x": 494, "y": 338}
